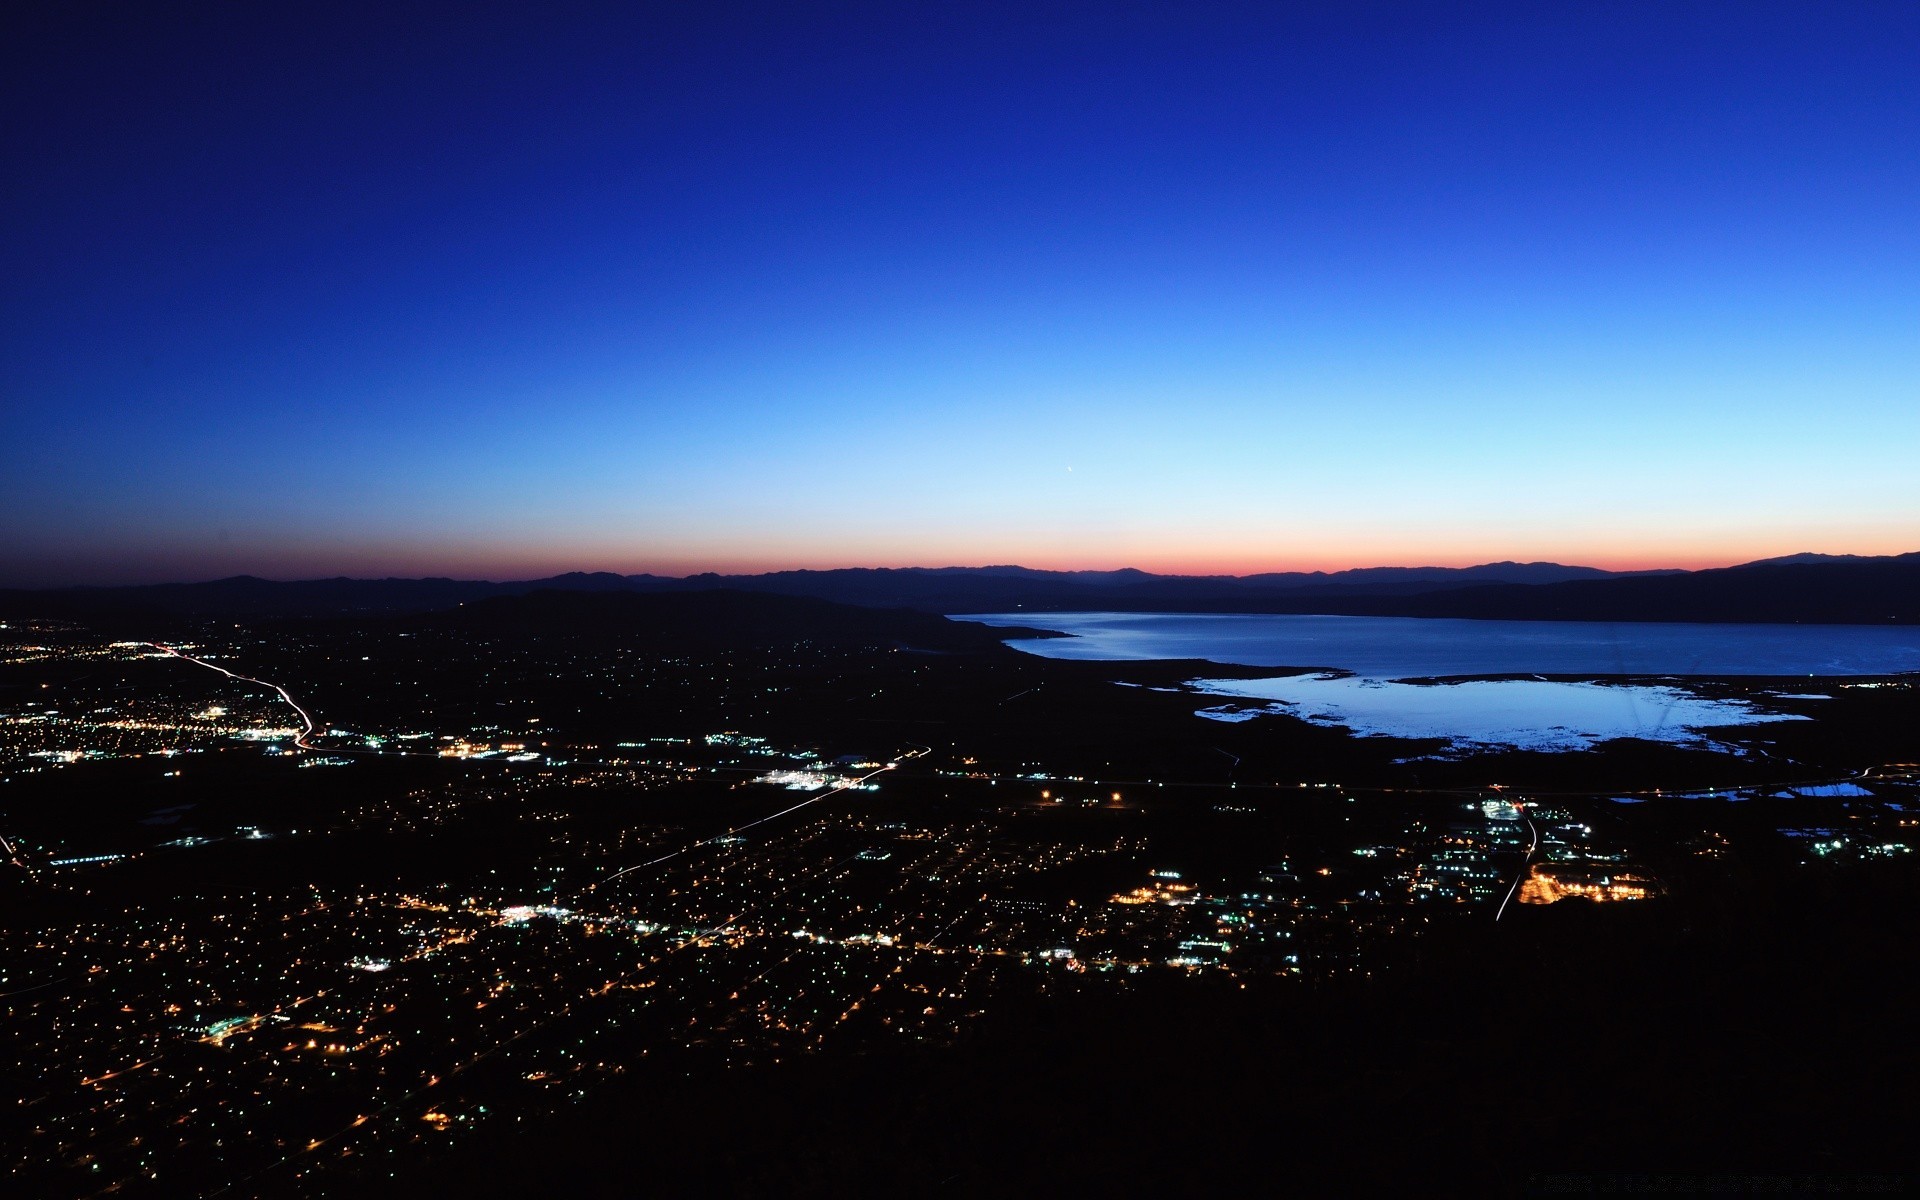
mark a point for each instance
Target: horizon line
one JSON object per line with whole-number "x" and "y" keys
{"x": 503, "y": 578}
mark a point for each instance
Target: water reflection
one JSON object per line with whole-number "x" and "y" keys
{"x": 1526, "y": 713}
{"x": 1382, "y": 653}
{"x": 1411, "y": 647}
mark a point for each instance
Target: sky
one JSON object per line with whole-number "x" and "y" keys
{"x": 501, "y": 291}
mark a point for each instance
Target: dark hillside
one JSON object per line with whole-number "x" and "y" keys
{"x": 720, "y": 619}
{"x": 1874, "y": 591}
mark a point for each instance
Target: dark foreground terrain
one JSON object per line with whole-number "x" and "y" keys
{"x": 1762, "y": 1049}
{"x": 607, "y": 895}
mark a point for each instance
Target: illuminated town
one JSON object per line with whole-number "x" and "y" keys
{"x": 297, "y": 956}
{"x": 757, "y": 600}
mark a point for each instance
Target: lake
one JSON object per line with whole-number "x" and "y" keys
{"x": 1527, "y": 714}
{"x": 1380, "y": 653}
{"x": 1417, "y": 648}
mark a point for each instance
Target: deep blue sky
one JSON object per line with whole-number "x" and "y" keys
{"x": 297, "y": 290}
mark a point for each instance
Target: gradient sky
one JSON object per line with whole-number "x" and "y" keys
{"x": 497, "y": 292}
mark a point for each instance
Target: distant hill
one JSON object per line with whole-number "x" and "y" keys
{"x": 717, "y": 619}
{"x": 997, "y": 589}
{"x": 1500, "y": 572}
{"x": 1801, "y": 587}
{"x": 1804, "y": 558}
{"x": 251, "y": 596}
{"x": 930, "y": 589}
{"x": 1842, "y": 591}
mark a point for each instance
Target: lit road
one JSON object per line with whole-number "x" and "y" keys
{"x": 13, "y": 855}
{"x": 811, "y": 800}
{"x": 307, "y": 726}
{"x": 1534, "y": 831}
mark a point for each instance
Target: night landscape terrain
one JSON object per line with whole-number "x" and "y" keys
{"x": 535, "y": 868}
{"x": 1165, "y": 599}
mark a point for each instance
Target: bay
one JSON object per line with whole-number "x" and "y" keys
{"x": 1414, "y": 648}
{"x": 1360, "y": 668}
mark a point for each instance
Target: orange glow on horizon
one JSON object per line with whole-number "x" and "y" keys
{"x": 1173, "y": 563}
{"x": 511, "y": 559}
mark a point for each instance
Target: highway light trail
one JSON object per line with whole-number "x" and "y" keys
{"x": 299, "y": 739}
{"x": 35, "y": 988}
{"x": 1522, "y": 872}
{"x": 811, "y": 800}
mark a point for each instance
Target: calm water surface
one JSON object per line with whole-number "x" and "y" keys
{"x": 1534, "y": 714}
{"x": 1531, "y": 714}
{"x": 1412, "y": 647}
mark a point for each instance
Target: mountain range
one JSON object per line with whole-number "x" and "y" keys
{"x": 1797, "y": 588}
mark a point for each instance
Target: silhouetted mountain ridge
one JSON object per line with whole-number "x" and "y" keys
{"x": 719, "y": 618}
{"x": 1841, "y": 591}
{"x": 1797, "y": 588}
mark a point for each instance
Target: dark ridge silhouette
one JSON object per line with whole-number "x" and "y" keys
{"x": 989, "y": 589}
{"x": 930, "y": 589}
{"x": 1818, "y": 589}
{"x": 251, "y": 596}
{"x": 1877, "y": 591}
{"x": 717, "y": 619}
